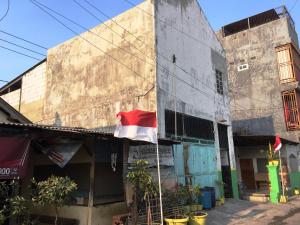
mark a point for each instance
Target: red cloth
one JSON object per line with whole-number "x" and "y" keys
{"x": 13, "y": 157}
{"x": 138, "y": 118}
{"x": 277, "y": 145}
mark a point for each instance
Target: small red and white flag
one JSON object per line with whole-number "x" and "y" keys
{"x": 277, "y": 145}
{"x": 137, "y": 125}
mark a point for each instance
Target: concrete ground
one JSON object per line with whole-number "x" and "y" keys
{"x": 239, "y": 212}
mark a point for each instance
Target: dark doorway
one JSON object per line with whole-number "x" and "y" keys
{"x": 225, "y": 162}
{"x": 247, "y": 172}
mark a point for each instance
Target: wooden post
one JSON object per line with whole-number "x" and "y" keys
{"x": 92, "y": 179}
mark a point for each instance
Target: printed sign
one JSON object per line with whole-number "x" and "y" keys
{"x": 13, "y": 157}
{"x": 61, "y": 154}
{"x": 148, "y": 152}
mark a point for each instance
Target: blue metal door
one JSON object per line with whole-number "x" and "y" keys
{"x": 196, "y": 164}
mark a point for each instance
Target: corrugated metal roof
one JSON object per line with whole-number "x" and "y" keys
{"x": 100, "y": 132}
{"x": 78, "y": 130}
{"x": 12, "y": 111}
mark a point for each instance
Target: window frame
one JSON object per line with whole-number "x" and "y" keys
{"x": 292, "y": 111}
{"x": 293, "y": 64}
{"x": 219, "y": 82}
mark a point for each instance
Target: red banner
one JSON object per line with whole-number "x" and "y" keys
{"x": 13, "y": 157}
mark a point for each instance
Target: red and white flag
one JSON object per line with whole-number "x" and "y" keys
{"x": 277, "y": 145}
{"x": 137, "y": 125}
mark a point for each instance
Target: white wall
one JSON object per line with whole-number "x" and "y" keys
{"x": 12, "y": 98}
{"x": 199, "y": 97}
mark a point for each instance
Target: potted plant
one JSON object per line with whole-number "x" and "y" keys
{"x": 183, "y": 197}
{"x": 196, "y": 193}
{"x": 177, "y": 220}
{"x": 180, "y": 197}
{"x": 144, "y": 187}
{"x": 55, "y": 191}
{"x": 198, "y": 218}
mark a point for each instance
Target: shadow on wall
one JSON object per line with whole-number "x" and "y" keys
{"x": 58, "y": 121}
{"x": 254, "y": 126}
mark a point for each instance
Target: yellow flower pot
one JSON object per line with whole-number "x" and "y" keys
{"x": 179, "y": 221}
{"x": 198, "y": 219}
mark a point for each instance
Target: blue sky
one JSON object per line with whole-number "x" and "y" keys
{"x": 27, "y": 21}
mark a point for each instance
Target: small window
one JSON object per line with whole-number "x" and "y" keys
{"x": 219, "y": 80}
{"x": 243, "y": 67}
{"x": 291, "y": 111}
{"x": 285, "y": 66}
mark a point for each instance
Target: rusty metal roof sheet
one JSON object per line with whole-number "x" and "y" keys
{"x": 77, "y": 130}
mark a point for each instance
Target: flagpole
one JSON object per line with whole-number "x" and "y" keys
{"x": 280, "y": 164}
{"x": 159, "y": 182}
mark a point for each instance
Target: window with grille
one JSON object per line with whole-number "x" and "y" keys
{"x": 188, "y": 126}
{"x": 291, "y": 110}
{"x": 219, "y": 80}
{"x": 288, "y": 59}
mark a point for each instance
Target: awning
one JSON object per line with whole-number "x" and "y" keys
{"x": 13, "y": 157}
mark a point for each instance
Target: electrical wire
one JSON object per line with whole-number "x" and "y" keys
{"x": 108, "y": 17}
{"x": 4, "y": 81}
{"x": 20, "y": 53}
{"x": 22, "y": 47}
{"x": 38, "y": 4}
{"x": 12, "y": 35}
{"x": 82, "y": 27}
{"x": 137, "y": 38}
{"x": 168, "y": 24}
{"x": 7, "y": 10}
{"x": 76, "y": 33}
{"x": 294, "y": 5}
{"x": 165, "y": 23}
{"x": 86, "y": 29}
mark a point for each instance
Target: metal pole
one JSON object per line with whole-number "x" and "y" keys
{"x": 159, "y": 182}
{"x": 280, "y": 164}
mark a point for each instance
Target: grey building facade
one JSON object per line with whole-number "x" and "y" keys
{"x": 264, "y": 72}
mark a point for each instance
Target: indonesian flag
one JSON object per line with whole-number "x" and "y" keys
{"x": 277, "y": 145}
{"x": 137, "y": 125}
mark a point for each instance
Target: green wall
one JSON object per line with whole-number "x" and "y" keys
{"x": 295, "y": 179}
{"x": 234, "y": 182}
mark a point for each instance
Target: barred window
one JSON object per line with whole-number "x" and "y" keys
{"x": 219, "y": 80}
{"x": 291, "y": 110}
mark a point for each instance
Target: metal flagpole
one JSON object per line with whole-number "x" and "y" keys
{"x": 280, "y": 164}
{"x": 159, "y": 182}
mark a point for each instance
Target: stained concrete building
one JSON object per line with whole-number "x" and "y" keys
{"x": 264, "y": 70}
{"x": 167, "y": 59}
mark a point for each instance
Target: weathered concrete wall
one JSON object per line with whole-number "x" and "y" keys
{"x": 86, "y": 87}
{"x": 256, "y": 102}
{"x": 182, "y": 30}
{"x": 189, "y": 85}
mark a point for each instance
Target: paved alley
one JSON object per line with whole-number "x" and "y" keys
{"x": 245, "y": 212}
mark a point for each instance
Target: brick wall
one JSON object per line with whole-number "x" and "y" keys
{"x": 33, "y": 84}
